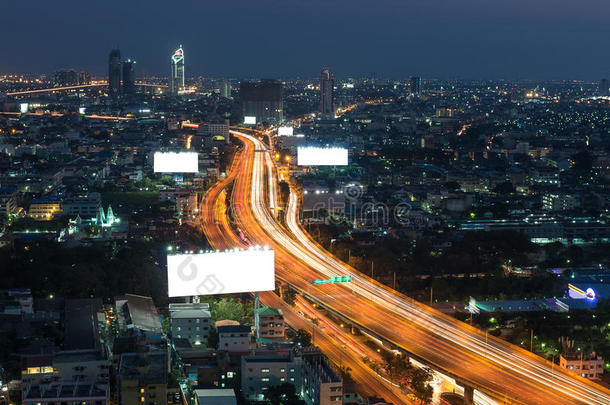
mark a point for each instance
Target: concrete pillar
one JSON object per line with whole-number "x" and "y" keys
{"x": 468, "y": 395}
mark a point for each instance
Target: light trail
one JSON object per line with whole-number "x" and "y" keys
{"x": 506, "y": 372}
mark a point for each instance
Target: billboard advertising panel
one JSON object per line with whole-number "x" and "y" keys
{"x": 313, "y": 156}
{"x": 176, "y": 162}
{"x": 220, "y": 272}
{"x": 249, "y": 120}
{"x": 285, "y": 131}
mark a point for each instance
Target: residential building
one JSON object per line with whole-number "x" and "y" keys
{"x": 78, "y": 392}
{"x": 266, "y": 368}
{"x": 82, "y": 365}
{"x": 560, "y": 202}
{"x": 45, "y": 208}
{"x": 320, "y": 384}
{"x": 85, "y": 206}
{"x": 135, "y": 312}
{"x": 270, "y": 322}
{"x": 216, "y": 397}
{"x": 142, "y": 378}
{"x": 234, "y": 338}
{"x": 8, "y": 203}
{"x": 190, "y": 321}
{"x": 590, "y": 366}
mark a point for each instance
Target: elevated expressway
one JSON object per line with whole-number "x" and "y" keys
{"x": 503, "y": 371}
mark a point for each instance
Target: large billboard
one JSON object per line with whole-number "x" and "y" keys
{"x": 249, "y": 120}
{"x": 285, "y": 131}
{"x": 176, "y": 162}
{"x": 220, "y": 272}
{"x": 313, "y": 156}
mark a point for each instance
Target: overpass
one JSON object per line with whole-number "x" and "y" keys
{"x": 78, "y": 87}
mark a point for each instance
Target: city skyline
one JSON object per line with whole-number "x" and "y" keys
{"x": 305, "y": 203}
{"x": 443, "y": 40}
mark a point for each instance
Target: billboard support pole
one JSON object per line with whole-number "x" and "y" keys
{"x": 256, "y": 321}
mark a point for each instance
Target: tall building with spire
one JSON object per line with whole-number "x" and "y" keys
{"x": 177, "y": 76}
{"x": 114, "y": 73}
{"x": 327, "y": 83}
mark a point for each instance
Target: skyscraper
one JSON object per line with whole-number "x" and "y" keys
{"x": 603, "y": 90}
{"x": 327, "y": 82}
{"x": 416, "y": 86}
{"x": 262, "y": 100}
{"x": 114, "y": 73}
{"x": 129, "y": 77}
{"x": 177, "y": 77}
{"x": 225, "y": 89}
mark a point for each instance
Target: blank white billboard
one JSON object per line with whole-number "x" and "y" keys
{"x": 176, "y": 162}
{"x": 220, "y": 273}
{"x": 249, "y": 120}
{"x": 312, "y": 156}
{"x": 285, "y": 131}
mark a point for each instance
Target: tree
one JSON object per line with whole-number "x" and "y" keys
{"x": 301, "y": 337}
{"x": 227, "y": 308}
{"x": 420, "y": 384}
{"x": 453, "y": 185}
{"x": 283, "y": 394}
{"x": 289, "y": 296}
{"x": 213, "y": 338}
{"x": 396, "y": 365}
{"x": 504, "y": 188}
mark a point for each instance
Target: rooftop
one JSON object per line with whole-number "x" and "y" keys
{"x": 216, "y": 397}
{"x": 268, "y": 311}
{"x": 234, "y": 329}
{"x": 147, "y": 368}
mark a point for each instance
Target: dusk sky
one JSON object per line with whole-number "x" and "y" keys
{"x": 516, "y": 39}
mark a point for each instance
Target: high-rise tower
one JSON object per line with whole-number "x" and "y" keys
{"x": 177, "y": 77}
{"x": 416, "y": 86}
{"x": 114, "y": 73}
{"x": 327, "y": 82}
{"x": 262, "y": 100}
{"x": 603, "y": 88}
{"x": 129, "y": 77}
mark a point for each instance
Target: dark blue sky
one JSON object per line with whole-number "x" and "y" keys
{"x": 525, "y": 39}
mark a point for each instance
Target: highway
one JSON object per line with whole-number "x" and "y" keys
{"x": 215, "y": 224}
{"x": 505, "y": 372}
